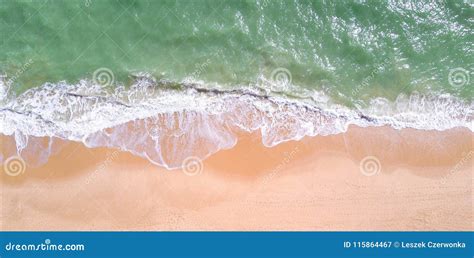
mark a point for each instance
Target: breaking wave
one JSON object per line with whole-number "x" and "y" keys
{"x": 166, "y": 122}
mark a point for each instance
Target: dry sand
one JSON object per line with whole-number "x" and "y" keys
{"x": 424, "y": 182}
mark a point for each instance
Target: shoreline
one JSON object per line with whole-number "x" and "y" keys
{"x": 424, "y": 182}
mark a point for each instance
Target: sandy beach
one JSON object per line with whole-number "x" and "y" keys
{"x": 365, "y": 179}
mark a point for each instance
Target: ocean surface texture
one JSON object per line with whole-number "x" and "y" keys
{"x": 169, "y": 79}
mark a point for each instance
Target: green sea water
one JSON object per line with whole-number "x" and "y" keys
{"x": 351, "y": 50}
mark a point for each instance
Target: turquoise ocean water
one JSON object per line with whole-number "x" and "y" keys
{"x": 166, "y": 80}
{"x": 379, "y": 48}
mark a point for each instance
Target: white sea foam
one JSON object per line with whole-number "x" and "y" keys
{"x": 166, "y": 122}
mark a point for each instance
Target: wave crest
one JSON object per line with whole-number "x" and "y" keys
{"x": 166, "y": 122}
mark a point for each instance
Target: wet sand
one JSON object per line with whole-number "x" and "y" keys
{"x": 412, "y": 180}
